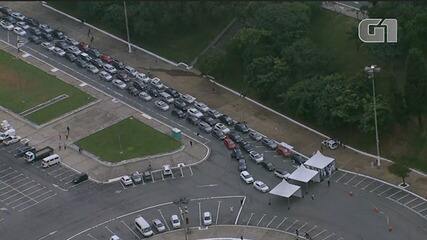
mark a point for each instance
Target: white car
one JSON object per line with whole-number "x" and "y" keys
{"x": 74, "y": 50}
{"x": 214, "y": 113}
{"x": 131, "y": 71}
{"x": 46, "y": 28}
{"x": 126, "y": 181}
{"x": 207, "y": 218}
{"x": 19, "y": 31}
{"x": 167, "y": 171}
{"x": 109, "y": 68}
{"x": 91, "y": 68}
{"x": 194, "y": 112}
{"x": 23, "y": 25}
{"x": 201, "y": 106}
{"x": 330, "y": 143}
{"x": 281, "y": 174}
{"x": 156, "y": 83}
{"x": 114, "y": 237}
{"x": 48, "y": 45}
{"x": 58, "y": 51}
{"x": 119, "y": 83}
{"x": 176, "y": 223}
{"x": 18, "y": 15}
{"x": 188, "y": 98}
{"x": 255, "y": 135}
{"x": 246, "y": 177}
{"x": 7, "y": 25}
{"x": 260, "y": 186}
{"x": 257, "y": 157}
{"x": 105, "y": 76}
{"x": 221, "y": 127}
{"x": 161, "y": 105}
{"x": 143, "y": 77}
{"x": 158, "y": 225}
{"x": 144, "y": 96}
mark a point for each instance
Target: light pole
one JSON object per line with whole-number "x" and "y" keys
{"x": 127, "y": 25}
{"x": 371, "y": 70}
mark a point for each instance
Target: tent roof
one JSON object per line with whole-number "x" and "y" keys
{"x": 284, "y": 189}
{"x": 303, "y": 174}
{"x": 319, "y": 161}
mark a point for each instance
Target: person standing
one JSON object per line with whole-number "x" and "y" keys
{"x": 191, "y": 143}
{"x": 297, "y": 233}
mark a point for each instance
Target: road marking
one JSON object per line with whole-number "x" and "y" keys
{"x": 377, "y": 187}
{"x": 271, "y": 221}
{"x": 130, "y": 229}
{"x": 22, "y": 179}
{"x": 302, "y": 226}
{"x": 394, "y": 194}
{"x": 8, "y": 174}
{"x": 280, "y": 224}
{"x": 13, "y": 195}
{"x": 200, "y": 213}
{"x": 182, "y": 173}
{"x": 287, "y": 229}
{"x": 5, "y": 169}
{"x": 243, "y": 201}
{"x": 385, "y": 191}
{"x": 108, "y": 229}
{"x": 261, "y": 219}
{"x": 341, "y": 177}
{"x": 406, "y": 204}
{"x": 13, "y": 177}
{"x": 207, "y": 185}
{"x": 315, "y": 226}
{"x": 350, "y": 180}
{"x": 402, "y": 197}
{"x": 332, "y": 234}
{"x": 191, "y": 170}
{"x": 252, "y": 214}
{"x": 36, "y": 185}
{"x": 217, "y": 212}
{"x": 418, "y": 205}
{"x": 357, "y": 184}
{"x": 324, "y": 230}
{"x": 164, "y": 220}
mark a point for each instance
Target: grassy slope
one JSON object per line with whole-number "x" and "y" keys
{"x": 23, "y": 86}
{"x": 182, "y": 47}
{"x": 128, "y": 139}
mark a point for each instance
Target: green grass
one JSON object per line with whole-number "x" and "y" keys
{"x": 128, "y": 139}
{"x": 23, "y": 86}
{"x": 177, "y": 45}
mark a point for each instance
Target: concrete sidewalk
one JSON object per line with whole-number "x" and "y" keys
{"x": 227, "y": 232}
{"x": 257, "y": 117}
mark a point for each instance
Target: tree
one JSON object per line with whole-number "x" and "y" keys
{"x": 401, "y": 170}
{"x": 211, "y": 62}
{"x": 416, "y": 84}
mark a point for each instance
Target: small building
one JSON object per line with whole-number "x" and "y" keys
{"x": 321, "y": 163}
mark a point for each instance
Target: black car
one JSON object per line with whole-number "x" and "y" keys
{"x": 20, "y": 152}
{"x": 31, "y": 22}
{"x": 218, "y": 134}
{"x": 94, "y": 52}
{"x": 10, "y": 19}
{"x": 180, "y": 104}
{"x": 237, "y": 154}
{"x": 80, "y": 178}
{"x": 226, "y": 119}
{"x": 61, "y": 44}
{"x": 241, "y": 127}
{"x": 35, "y": 39}
{"x": 153, "y": 92}
{"x": 47, "y": 36}
{"x": 209, "y": 120}
{"x": 193, "y": 120}
{"x": 235, "y": 137}
{"x": 178, "y": 113}
{"x": 118, "y": 64}
{"x": 70, "y": 57}
{"x": 268, "y": 166}
{"x": 147, "y": 176}
{"x": 269, "y": 143}
{"x": 58, "y": 34}
{"x": 81, "y": 63}
{"x": 174, "y": 93}
{"x": 248, "y": 147}
{"x": 298, "y": 159}
{"x": 34, "y": 31}
{"x": 97, "y": 62}
{"x": 133, "y": 91}
{"x": 242, "y": 165}
{"x": 6, "y": 10}
{"x": 139, "y": 85}
{"x": 122, "y": 75}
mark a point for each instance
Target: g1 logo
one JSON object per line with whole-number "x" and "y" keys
{"x": 384, "y": 30}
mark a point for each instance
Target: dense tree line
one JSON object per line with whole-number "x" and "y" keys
{"x": 283, "y": 65}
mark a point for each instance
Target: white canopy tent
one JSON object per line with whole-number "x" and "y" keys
{"x": 303, "y": 174}
{"x": 285, "y": 189}
{"x": 321, "y": 163}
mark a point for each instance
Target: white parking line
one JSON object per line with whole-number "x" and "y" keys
{"x": 91, "y": 236}
{"x": 7, "y": 174}
{"x": 402, "y": 197}
{"x": 63, "y": 178}
{"x": 164, "y": 220}
{"x": 280, "y": 224}
{"x": 350, "y": 180}
{"x": 422, "y": 210}
{"x": 394, "y": 194}
{"x": 182, "y": 173}
{"x": 217, "y": 212}
{"x": 191, "y": 170}
{"x": 43, "y": 188}
{"x": 7, "y": 192}
{"x": 357, "y": 184}
{"x": 377, "y": 187}
{"x": 5, "y": 169}
{"x": 315, "y": 226}
{"x": 200, "y": 213}
{"x": 33, "y": 186}
{"x": 11, "y": 196}
{"x": 13, "y": 177}
{"x": 330, "y": 235}
{"x": 369, "y": 184}
{"x": 261, "y": 219}
{"x": 108, "y": 229}
{"x": 130, "y": 229}
{"x": 268, "y": 224}
{"x": 324, "y": 230}
{"x": 22, "y": 179}
{"x": 341, "y": 177}
{"x": 49, "y": 173}
{"x": 302, "y": 226}
{"x": 252, "y": 214}
{"x": 43, "y": 194}
{"x": 15, "y": 200}
{"x": 406, "y": 204}
{"x": 388, "y": 189}
{"x": 291, "y": 225}
{"x": 62, "y": 173}
{"x": 418, "y": 205}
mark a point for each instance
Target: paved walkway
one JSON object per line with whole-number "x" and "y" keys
{"x": 258, "y": 118}
{"x": 227, "y": 233}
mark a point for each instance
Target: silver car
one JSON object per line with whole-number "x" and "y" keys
{"x": 145, "y": 96}
{"x": 109, "y": 68}
{"x": 105, "y": 76}
{"x": 162, "y": 105}
{"x": 91, "y": 68}
{"x": 119, "y": 83}
{"x": 58, "y": 51}
{"x": 205, "y": 127}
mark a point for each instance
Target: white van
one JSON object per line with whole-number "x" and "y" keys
{"x": 166, "y": 97}
{"x": 51, "y": 160}
{"x": 143, "y": 226}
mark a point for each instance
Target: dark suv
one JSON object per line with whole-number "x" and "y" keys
{"x": 226, "y": 119}
{"x": 237, "y": 154}
{"x": 235, "y": 137}
{"x": 241, "y": 127}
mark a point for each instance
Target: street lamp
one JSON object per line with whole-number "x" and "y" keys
{"x": 370, "y": 71}
{"x": 127, "y": 25}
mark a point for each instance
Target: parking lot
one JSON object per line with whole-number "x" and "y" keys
{"x": 395, "y": 194}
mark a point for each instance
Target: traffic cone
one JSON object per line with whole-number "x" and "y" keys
{"x": 350, "y": 194}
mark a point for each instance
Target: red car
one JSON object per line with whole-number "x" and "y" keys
{"x": 106, "y": 58}
{"x": 281, "y": 150}
{"x": 229, "y": 143}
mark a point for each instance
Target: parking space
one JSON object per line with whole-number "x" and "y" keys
{"x": 20, "y": 192}
{"x": 393, "y": 193}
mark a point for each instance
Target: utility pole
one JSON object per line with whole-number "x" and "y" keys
{"x": 371, "y": 70}
{"x": 127, "y": 26}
